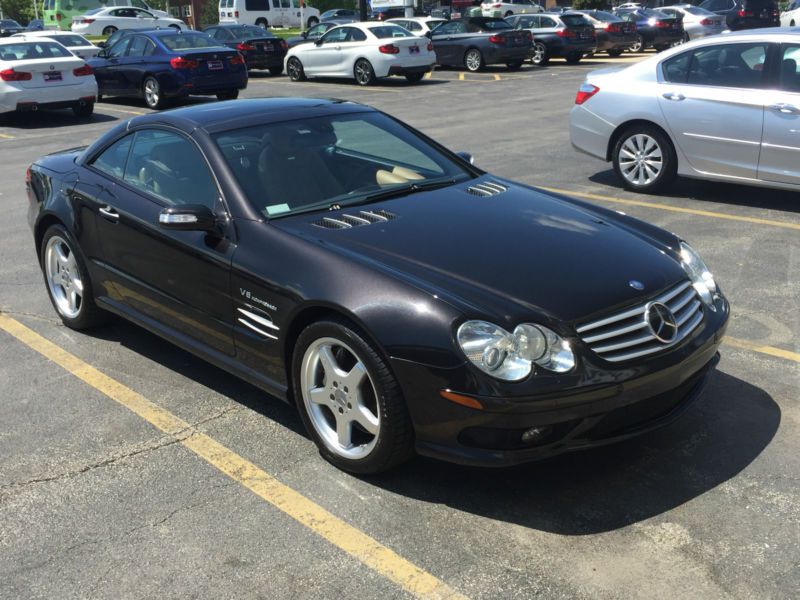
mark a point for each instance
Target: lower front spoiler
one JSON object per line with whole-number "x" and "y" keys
{"x": 590, "y": 432}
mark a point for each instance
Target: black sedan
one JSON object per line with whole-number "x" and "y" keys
{"x": 613, "y": 35}
{"x": 475, "y": 42}
{"x": 9, "y": 27}
{"x": 568, "y": 35}
{"x": 653, "y": 28}
{"x": 260, "y": 48}
{"x": 401, "y": 298}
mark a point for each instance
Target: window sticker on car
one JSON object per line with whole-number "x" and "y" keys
{"x": 276, "y": 209}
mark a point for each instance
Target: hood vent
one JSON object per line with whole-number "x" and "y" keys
{"x": 486, "y": 189}
{"x": 362, "y": 217}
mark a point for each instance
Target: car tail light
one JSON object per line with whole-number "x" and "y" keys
{"x": 613, "y": 27}
{"x": 284, "y": 44}
{"x": 83, "y": 71}
{"x": 12, "y": 75}
{"x": 745, "y": 13}
{"x": 430, "y": 46}
{"x": 565, "y": 33}
{"x": 586, "y": 91}
{"x": 28, "y": 174}
{"x": 236, "y": 14}
{"x": 244, "y": 46}
{"x": 663, "y": 24}
{"x": 389, "y": 49}
{"x": 179, "y": 62}
{"x": 497, "y": 39}
{"x": 706, "y": 22}
{"x": 237, "y": 60}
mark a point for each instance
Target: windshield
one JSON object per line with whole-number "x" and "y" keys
{"x": 33, "y": 50}
{"x": 9, "y": 23}
{"x": 188, "y": 41}
{"x": 312, "y": 164}
{"x": 249, "y": 33}
{"x": 493, "y": 24}
{"x": 71, "y": 40}
{"x": 574, "y": 20}
{"x": 389, "y": 31}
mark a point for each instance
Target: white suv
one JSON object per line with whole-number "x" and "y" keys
{"x": 510, "y": 7}
{"x": 791, "y": 16}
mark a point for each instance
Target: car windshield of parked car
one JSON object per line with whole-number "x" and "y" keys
{"x": 249, "y": 33}
{"x": 575, "y": 20}
{"x": 188, "y": 41}
{"x": 491, "y": 24}
{"x": 337, "y": 160}
{"x": 389, "y": 31}
{"x": 9, "y": 23}
{"x": 32, "y": 50}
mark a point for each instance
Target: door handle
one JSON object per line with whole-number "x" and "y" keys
{"x": 109, "y": 213}
{"x": 337, "y": 48}
{"x": 786, "y": 109}
{"x": 674, "y": 96}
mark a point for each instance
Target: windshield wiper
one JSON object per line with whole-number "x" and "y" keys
{"x": 403, "y": 190}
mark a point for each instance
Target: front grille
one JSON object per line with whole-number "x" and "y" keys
{"x": 626, "y": 335}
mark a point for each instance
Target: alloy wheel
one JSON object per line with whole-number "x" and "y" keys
{"x": 473, "y": 60}
{"x": 340, "y": 398}
{"x": 539, "y": 53}
{"x": 638, "y": 45}
{"x": 641, "y": 159}
{"x": 152, "y": 93}
{"x": 363, "y": 72}
{"x": 294, "y": 69}
{"x": 63, "y": 277}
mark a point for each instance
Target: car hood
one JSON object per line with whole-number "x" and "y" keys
{"x": 504, "y": 255}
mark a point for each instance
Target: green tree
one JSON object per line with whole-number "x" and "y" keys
{"x": 19, "y": 10}
{"x": 590, "y": 4}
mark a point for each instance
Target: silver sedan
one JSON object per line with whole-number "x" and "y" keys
{"x": 697, "y": 22}
{"x": 725, "y": 108}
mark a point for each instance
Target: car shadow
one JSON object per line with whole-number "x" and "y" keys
{"x": 607, "y": 488}
{"x": 580, "y": 493}
{"x": 716, "y": 192}
{"x": 134, "y": 102}
{"x": 382, "y": 82}
{"x": 44, "y": 119}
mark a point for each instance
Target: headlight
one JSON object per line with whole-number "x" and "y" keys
{"x": 700, "y": 276}
{"x": 511, "y": 356}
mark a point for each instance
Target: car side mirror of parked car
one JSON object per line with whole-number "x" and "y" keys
{"x": 188, "y": 217}
{"x": 467, "y": 157}
{"x": 429, "y": 34}
{"x": 304, "y": 34}
{"x": 318, "y": 42}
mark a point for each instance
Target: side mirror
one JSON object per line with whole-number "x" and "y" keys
{"x": 188, "y": 217}
{"x": 467, "y": 157}
{"x": 429, "y": 35}
{"x": 100, "y": 44}
{"x": 304, "y": 34}
{"x": 318, "y": 42}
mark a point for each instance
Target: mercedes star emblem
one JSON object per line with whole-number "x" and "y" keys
{"x": 661, "y": 321}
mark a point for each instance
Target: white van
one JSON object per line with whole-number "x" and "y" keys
{"x": 267, "y": 13}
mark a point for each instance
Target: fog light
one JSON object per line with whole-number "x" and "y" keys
{"x": 534, "y": 434}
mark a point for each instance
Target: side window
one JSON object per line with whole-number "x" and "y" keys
{"x": 413, "y": 26}
{"x": 149, "y": 48}
{"x": 790, "y": 73}
{"x": 138, "y": 46}
{"x": 729, "y": 65}
{"x": 545, "y": 22}
{"x": 451, "y": 28}
{"x": 285, "y": 4}
{"x": 170, "y": 167}
{"x": 356, "y": 35}
{"x": 112, "y": 160}
{"x": 276, "y": 3}
{"x": 119, "y": 48}
{"x": 676, "y": 69}
{"x": 335, "y": 35}
{"x": 222, "y": 35}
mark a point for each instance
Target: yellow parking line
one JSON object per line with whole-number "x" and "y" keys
{"x": 120, "y": 110}
{"x": 5, "y": 136}
{"x": 756, "y": 347}
{"x": 690, "y": 211}
{"x": 461, "y": 76}
{"x": 429, "y": 74}
{"x": 372, "y": 553}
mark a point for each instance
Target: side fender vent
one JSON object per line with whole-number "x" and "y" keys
{"x": 486, "y": 189}
{"x": 348, "y": 221}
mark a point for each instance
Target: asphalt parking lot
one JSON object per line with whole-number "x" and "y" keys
{"x": 131, "y": 469}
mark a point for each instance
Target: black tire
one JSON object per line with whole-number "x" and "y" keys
{"x": 394, "y": 442}
{"x": 294, "y": 69}
{"x": 540, "y": 55}
{"x": 275, "y": 71}
{"x": 229, "y": 95}
{"x": 107, "y": 31}
{"x": 639, "y": 45}
{"x": 661, "y": 48}
{"x": 669, "y": 160}
{"x": 414, "y": 77}
{"x": 614, "y": 53}
{"x": 263, "y": 23}
{"x": 573, "y": 59}
{"x": 514, "y": 65}
{"x": 311, "y": 22}
{"x": 473, "y": 60}
{"x": 155, "y": 102}
{"x": 89, "y": 315}
{"x": 363, "y": 72}
{"x": 83, "y": 111}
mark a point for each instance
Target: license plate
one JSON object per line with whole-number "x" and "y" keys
{"x": 53, "y": 76}
{"x": 214, "y": 65}
{"x": 413, "y": 49}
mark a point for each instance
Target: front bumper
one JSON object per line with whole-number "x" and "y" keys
{"x": 631, "y": 400}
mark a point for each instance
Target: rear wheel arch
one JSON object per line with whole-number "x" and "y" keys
{"x": 621, "y": 129}
{"x": 41, "y": 227}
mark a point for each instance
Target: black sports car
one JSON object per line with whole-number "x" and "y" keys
{"x": 260, "y": 48}
{"x": 475, "y": 42}
{"x": 402, "y": 298}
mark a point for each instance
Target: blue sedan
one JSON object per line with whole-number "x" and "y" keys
{"x": 163, "y": 64}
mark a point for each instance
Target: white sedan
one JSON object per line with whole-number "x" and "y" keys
{"x": 74, "y": 42}
{"x": 419, "y": 26}
{"x": 44, "y": 74}
{"x": 105, "y": 21}
{"x": 364, "y": 52}
{"x": 506, "y": 8}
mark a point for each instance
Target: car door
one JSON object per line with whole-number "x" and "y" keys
{"x": 780, "y": 143}
{"x": 324, "y": 57}
{"x": 106, "y": 73}
{"x": 712, "y": 99}
{"x": 133, "y": 65}
{"x": 447, "y": 40}
{"x": 170, "y": 279}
